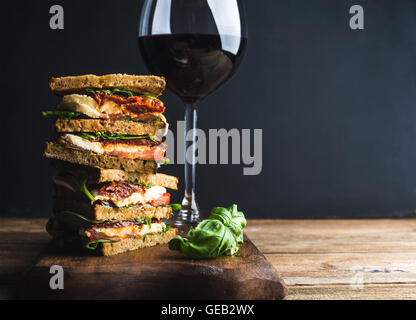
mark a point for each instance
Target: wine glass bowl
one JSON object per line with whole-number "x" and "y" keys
{"x": 197, "y": 46}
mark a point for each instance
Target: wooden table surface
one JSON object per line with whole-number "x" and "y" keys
{"x": 319, "y": 259}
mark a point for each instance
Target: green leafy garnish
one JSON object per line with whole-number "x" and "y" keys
{"x": 164, "y": 161}
{"x": 83, "y": 188}
{"x": 92, "y": 245}
{"x": 154, "y": 120}
{"x": 72, "y": 221}
{"x": 147, "y": 186}
{"x": 166, "y": 229}
{"x": 79, "y": 216}
{"x": 58, "y": 144}
{"x": 113, "y": 136}
{"x": 219, "y": 235}
{"x": 148, "y": 222}
{"x": 62, "y": 114}
{"x": 176, "y": 206}
{"x": 118, "y": 92}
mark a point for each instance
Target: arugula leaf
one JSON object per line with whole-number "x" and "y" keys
{"x": 79, "y": 216}
{"x": 118, "y": 92}
{"x": 148, "y": 222}
{"x": 218, "y": 235}
{"x": 166, "y": 229}
{"x": 147, "y": 186}
{"x": 57, "y": 144}
{"x": 113, "y": 136}
{"x": 74, "y": 221}
{"x": 154, "y": 120}
{"x": 62, "y": 114}
{"x": 83, "y": 188}
{"x": 92, "y": 245}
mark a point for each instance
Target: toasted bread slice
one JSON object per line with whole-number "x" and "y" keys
{"x": 87, "y": 158}
{"x": 99, "y": 212}
{"x": 150, "y": 85}
{"x": 109, "y": 126}
{"x": 99, "y": 175}
{"x": 129, "y": 244}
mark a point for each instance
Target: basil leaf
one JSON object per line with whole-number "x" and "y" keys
{"x": 164, "y": 161}
{"x": 219, "y": 235}
{"x": 176, "y": 206}
{"x": 62, "y": 114}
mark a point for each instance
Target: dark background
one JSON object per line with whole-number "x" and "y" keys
{"x": 337, "y": 106}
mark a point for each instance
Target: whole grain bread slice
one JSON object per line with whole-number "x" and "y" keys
{"x": 55, "y": 151}
{"x": 99, "y": 212}
{"x": 100, "y": 175}
{"x": 151, "y": 85}
{"x": 109, "y": 126}
{"x": 129, "y": 244}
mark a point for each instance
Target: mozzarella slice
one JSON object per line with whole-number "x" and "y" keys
{"x": 83, "y": 143}
{"x": 82, "y": 104}
{"x": 135, "y": 198}
{"x": 127, "y": 231}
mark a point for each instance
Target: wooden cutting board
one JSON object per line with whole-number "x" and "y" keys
{"x": 155, "y": 273}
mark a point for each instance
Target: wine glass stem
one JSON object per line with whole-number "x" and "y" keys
{"x": 190, "y": 209}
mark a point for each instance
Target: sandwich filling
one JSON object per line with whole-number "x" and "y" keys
{"x": 123, "y": 147}
{"x": 119, "y": 230}
{"x": 105, "y": 105}
{"x": 124, "y": 194}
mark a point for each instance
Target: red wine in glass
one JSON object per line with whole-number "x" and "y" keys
{"x": 197, "y": 46}
{"x": 193, "y": 64}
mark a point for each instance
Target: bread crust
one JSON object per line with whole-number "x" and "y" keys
{"x": 151, "y": 85}
{"x": 99, "y": 175}
{"x": 87, "y": 158}
{"x": 129, "y": 244}
{"x": 110, "y": 126}
{"x": 98, "y": 212}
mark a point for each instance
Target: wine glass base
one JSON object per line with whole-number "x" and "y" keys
{"x": 186, "y": 217}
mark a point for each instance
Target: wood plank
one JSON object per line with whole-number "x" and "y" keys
{"x": 333, "y": 236}
{"x": 345, "y": 292}
{"x": 341, "y": 268}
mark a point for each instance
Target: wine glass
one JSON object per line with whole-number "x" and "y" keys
{"x": 196, "y": 45}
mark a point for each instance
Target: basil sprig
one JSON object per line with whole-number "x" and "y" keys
{"x": 219, "y": 235}
{"x": 113, "y": 136}
{"x": 63, "y": 114}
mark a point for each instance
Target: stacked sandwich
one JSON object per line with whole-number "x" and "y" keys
{"x": 108, "y": 194}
